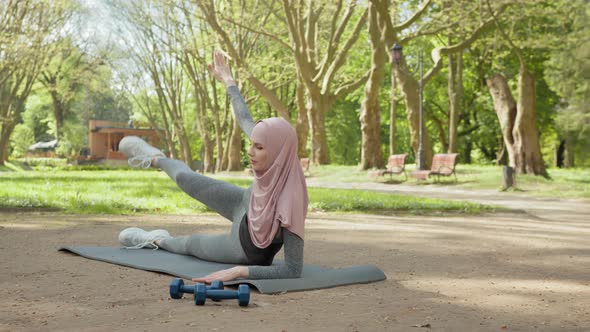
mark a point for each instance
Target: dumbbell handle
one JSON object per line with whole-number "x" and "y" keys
{"x": 219, "y": 294}
{"x": 190, "y": 289}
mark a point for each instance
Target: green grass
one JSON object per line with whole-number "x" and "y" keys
{"x": 564, "y": 183}
{"x": 125, "y": 192}
{"x": 343, "y": 200}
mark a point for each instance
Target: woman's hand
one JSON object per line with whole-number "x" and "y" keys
{"x": 225, "y": 275}
{"x": 220, "y": 69}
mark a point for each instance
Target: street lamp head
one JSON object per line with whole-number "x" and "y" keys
{"x": 397, "y": 53}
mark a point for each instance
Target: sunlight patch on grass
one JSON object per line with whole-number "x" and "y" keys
{"x": 114, "y": 192}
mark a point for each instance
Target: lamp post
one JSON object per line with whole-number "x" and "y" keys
{"x": 396, "y": 57}
{"x": 396, "y": 50}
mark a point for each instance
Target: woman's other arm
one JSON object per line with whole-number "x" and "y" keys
{"x": 293, "y": 266}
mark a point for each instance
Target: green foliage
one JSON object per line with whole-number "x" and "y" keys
{"x": 22, "y": 137}
{"x": 344, "y": 136}
{"x": 568, "y": 74}
{"x": 552, "y": 37}
{"x": 73, "y": 140}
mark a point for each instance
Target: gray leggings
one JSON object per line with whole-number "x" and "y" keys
{"x": 224, "y": 198}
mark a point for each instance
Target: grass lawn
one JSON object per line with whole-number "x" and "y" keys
{"x": 564, "y": 183}
{"x": 133, "y": 191}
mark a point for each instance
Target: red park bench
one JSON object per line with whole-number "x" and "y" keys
{"x": 396, "y": 164}
{"x": 443, "y": 164}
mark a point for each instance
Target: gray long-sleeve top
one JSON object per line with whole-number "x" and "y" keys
{"x": 292, "y": 244}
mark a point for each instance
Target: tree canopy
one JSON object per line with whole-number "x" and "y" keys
{"x": 503, "y": 81}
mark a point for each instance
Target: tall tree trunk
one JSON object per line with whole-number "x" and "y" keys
{"x": 217, "y": 130}
{"x": 505, "y": 107}
{"x": 5, "y": 132}
{"x": 455, "y": 91}
{"x": 468, "y": 144}
{"x": 7, "y": 125}
{"x": 371, "y": 155}
{"x": 235, "y": 147}
{"x": 58, "y": 113}
{"x": 318, "y": 107}
{"x": 302, "y": 125}
{"x": 559, "y": 153}
{"x": 569, "y": 151}
{"x": 518, "y": 122}
{"x": 526, "y": 135}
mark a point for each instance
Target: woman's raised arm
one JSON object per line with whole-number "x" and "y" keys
{"x": 220, "y": 70}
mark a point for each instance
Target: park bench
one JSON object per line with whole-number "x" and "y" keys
{"x": 443, "y": 164}
{"x": 396, "y": 164}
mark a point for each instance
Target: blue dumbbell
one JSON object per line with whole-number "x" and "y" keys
{"x": 177, "y": 288}
{"x": 202, "y": 294}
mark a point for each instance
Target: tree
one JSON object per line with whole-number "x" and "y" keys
{"x": 568, "y": 74}
{"x": 29, "y": 31}
{"x": 371, "y": 155}
{"x": 319, "y": 61}
{"x": 518, "y": 118}
{"x": 153, "y": 51}
{"x": 64, "y": 76}
{"x": 413, "y": 28}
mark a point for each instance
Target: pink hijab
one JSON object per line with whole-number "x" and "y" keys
{"x": 279, "y": 194}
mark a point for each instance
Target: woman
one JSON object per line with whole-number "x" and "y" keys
{"x": 265, "y": 217}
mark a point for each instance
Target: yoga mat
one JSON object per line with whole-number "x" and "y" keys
{"x": 312, "y": 277}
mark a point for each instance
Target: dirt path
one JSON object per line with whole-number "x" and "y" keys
{"x": 501, "y": 272}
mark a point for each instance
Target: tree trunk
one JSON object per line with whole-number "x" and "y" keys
{"x": 505, "y": 107}
{"x": 527, "y": 149}
{"x": 502, "y": 156}
{"x": 235, "y": 147}
{"x": 185, "y": 148}
{"x": 302, "y": 125}
{"x": 208, "y": 159}
{"x": 467, "y": 152}
{"x": 318, "y": 107}
{"x": 7, "y": 128}
{"x": 13, "y": 110}
{"x": 558, "y": 158}
{"x": 370, "y": 118}
{"x": 455, "y": 91}
{"x": 518, "y": 122}
{"x": 58, "y": 109}
{"x": 468, "y": 144}
{"x": 569, "y": 151}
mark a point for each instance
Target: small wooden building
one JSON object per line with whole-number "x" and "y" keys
{"x": 104, "y": 137}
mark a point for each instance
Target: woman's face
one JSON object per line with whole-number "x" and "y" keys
{"x": 258, "y": 157}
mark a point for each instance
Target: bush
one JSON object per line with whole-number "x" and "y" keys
{"x": 22, "y": 137}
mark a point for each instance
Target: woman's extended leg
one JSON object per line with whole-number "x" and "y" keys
{"x": 224, "y": 198}
{"x": 227, "y": 199}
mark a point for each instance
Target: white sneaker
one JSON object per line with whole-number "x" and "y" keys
{"x": 139, "y": 152}
{"x": 137, "y": 238}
